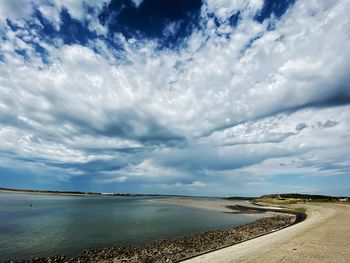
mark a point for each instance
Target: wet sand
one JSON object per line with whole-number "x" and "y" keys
{"x": 213, "y": 204}
{"x": 323, "y": 237}
{"x": 217, "y": 205}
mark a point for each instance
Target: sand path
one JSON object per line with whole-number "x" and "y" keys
{"x": 323, "y": 237}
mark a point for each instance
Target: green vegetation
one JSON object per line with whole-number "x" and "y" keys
{"x": 277, "y": 201}
{"x": 281, "y": 199}
{"x": 240, "y": 198}
{"x": 300, "y": 210}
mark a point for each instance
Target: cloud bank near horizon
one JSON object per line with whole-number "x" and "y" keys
{"x": 195, "y": 97}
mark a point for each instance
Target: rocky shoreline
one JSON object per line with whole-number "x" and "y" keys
{"x": 174, "y": 250}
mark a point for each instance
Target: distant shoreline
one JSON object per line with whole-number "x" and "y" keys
{"x": 79, "y": 193}
{"x": 14, "y": 190}
{"x": 322, "y": 237}
{"x": 39, "y": 192}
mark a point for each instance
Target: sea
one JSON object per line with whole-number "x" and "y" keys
{"x": 39, "y": 225}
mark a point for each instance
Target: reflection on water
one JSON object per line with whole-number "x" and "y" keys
{"x": 42, "y": 225}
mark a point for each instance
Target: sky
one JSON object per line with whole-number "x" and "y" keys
{"x": 212, "y": 97}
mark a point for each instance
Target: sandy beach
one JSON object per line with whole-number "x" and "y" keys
{"x": 217, "y": 205}
{"x": 323, "y": 237}
{"x": 222, "y": 205}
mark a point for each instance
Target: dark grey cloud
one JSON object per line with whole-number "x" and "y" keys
{"x": 200, "y": 157}
{"x": 322, "y": 165}
{"x": 327, "y": 124}
{"x": 94, "y": 166}
{"x": 301, "y": 126}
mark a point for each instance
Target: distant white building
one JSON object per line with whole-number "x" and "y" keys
{"x": 343, "y": 199}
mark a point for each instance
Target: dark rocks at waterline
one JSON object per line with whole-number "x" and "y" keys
{"x": 173, "y": 250}
{"x": 54, "y": 259}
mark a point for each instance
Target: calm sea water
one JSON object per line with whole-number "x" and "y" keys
{"x": 43, "y": 225}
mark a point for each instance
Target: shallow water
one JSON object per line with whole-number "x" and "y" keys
{"x": 42, "y": 225}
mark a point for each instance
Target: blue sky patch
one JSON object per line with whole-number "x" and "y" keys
{"x": 166, "y": 21}
{"x": 276, "y": 8}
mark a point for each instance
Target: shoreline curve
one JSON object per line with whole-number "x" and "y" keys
{"x": 323, "y": 237}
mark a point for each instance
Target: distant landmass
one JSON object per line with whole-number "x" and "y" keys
{"x": 270, "y": 198}
{"x": 305, "y": 196}
{"x": 4, "y": 189}
{"x": 292, "y": 198}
